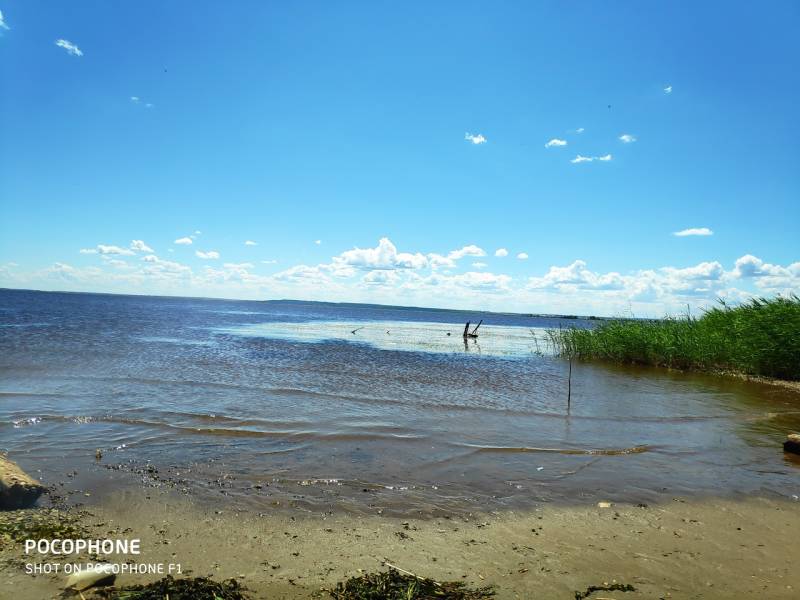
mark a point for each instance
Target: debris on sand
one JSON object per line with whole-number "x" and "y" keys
{"x": 99, "y": 574}
{"x": 195, "y": 588}
{"x": 38, "y": 523}
{"x": 614, "y": 587}
{"x": 393, "y": 585}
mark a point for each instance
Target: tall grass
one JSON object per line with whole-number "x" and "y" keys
{"x": 761, "y": 337}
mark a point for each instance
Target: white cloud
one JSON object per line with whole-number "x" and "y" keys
{"x": 103, "y": 249}
{"x": 69, "y": 47}
{"x": 210, "y": 255}
{"x": 706, "y": 271}
{"x": 501, "y": 252}
{"x": 3, "y": 22}
{"x": 148, "y": 105}
{"x": 88, "y": 250}
{"x": 767, "y": 277}
{"x": 140, "y": 246}
{"x": 250, "y": 243}
{"x": 522, "y": 256}
{"x": 475, "y": 139}
{"x": 627, "y": 138}
{"x": 479, "y": 265}
{"x": 135, "y": 99}
{"x": 269, "y": 262}
{"x": 668, "y": 89}
{"x": 184, "y": 241}
{"x": 471, "y": 250}
{"x": 318, "y": 242}
{"x": 383, "y": 278}
{"x": 384, "y": 257}
{"x": 160, "y": 266}
{"x": 555, "y": 142}
{"x": 693, "y": 231}
{"x": 580, "y": 130}
{"x": 244, "y": 265}
{"x": 581, "y": 159}
{"x": 482, "y": 281}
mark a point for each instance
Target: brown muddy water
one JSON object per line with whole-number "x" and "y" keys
{"x": 363, "y": 408}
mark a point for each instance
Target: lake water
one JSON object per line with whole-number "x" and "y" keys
{"x": 367, "y": 407}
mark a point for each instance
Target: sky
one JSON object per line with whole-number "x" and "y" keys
{"x": 602, "y": 158}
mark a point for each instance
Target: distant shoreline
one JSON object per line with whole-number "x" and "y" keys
{"x": 329, "y": 303}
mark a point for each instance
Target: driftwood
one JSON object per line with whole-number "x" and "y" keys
{"x": 471, "y": 334}
{"x": 17, "y": 488}
{"x": 792, "y": 443}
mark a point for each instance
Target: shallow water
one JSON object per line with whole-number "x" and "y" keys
{"x": 227, "y": 395}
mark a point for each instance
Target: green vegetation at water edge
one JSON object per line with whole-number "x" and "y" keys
{"x": 760, "y": 337}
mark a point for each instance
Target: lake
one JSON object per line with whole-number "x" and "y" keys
{"x": 365, "y": 407}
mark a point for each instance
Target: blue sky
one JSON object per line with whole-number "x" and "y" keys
{"x": 288, "y": 124}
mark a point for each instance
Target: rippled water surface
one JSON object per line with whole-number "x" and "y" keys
{"x": 368, "y": 406}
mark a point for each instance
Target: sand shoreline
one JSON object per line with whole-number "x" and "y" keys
{"x": 679, "y": 548}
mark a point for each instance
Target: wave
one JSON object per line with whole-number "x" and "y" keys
{"x": 582, "y": 451}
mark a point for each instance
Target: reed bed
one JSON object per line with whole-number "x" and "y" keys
{"x": 760, "y": 338}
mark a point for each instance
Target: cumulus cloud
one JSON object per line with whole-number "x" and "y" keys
{"x": 627, "y": 138}
{"x": 382, "y": 278}
{"x": 210, "y": 255}
{"x": 471, "y": 250}
{"x": 576, "y": 275}
{"x": 693, "y": 231}
{"x": 140, "y": 246}
{"x": 668, "y": 89}
{"x": 582, "y": 159}
{"x": 501, "y": 252}
{"x": 580, "y": 130}
{"x": 475, "y": 139}
{"x": 69, "y": 47}
{"x": 522, "y": 256}
{"x": 3, "y": 22}
{"x": 250, "y": 243}
{"x": 555, "y": 142}
{"x": 163, "y": 267}
{"x": 184, "y": 241}
{"x": 384, "y": 257}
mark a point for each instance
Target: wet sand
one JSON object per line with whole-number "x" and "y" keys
{"x": 678, "y": 548}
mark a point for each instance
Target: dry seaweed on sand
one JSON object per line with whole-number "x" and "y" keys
{"x": 393, "y": 585}
{"x": 38, "y": 523}
{"x": 189, "y": 588}
{"x": 614, "y": 587}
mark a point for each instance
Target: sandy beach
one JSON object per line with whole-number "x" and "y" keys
{"x": 678, "y": 548}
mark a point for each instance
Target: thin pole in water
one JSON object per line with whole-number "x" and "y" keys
{"x": 569, "y": 385}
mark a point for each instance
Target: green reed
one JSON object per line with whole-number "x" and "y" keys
{"x": 760, "y": 337}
